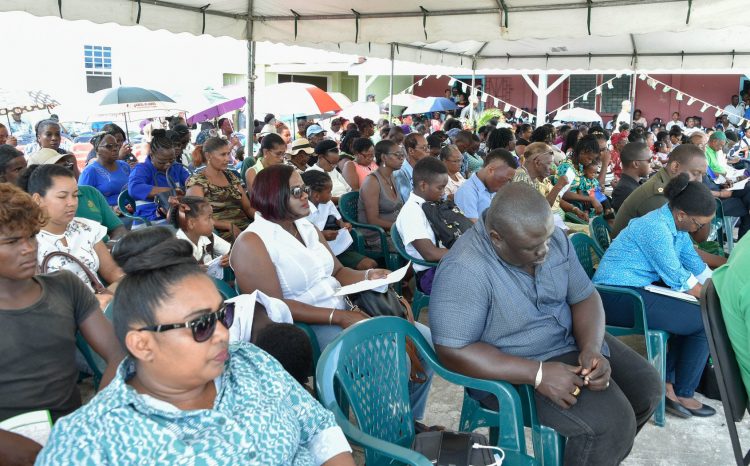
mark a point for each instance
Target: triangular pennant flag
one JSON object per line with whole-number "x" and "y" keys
{"x": 451, "y": 82}
{"x": 667, "y": 89}
{"x": 464, "y": 87}
{"x": 484, "y": 97}
{"x": 506, "y": 107}
{"x": 691, "y": 101}
{"x": 679, "y": 96}
{"x": 410, "y": 90}
{"x": 439, "y": 76}
{"x": 419, "y": 83}
{"x": 586, "y": 97}
{"x": 598, "y": 90}
{"x": 642, "y": 77}
{"x": 609, "y": 85}
{"x": 718, "y": 112}
{"x": 518, "y": 113}
{"x": 497, "y": 101}
{"x": 704, "y": 108}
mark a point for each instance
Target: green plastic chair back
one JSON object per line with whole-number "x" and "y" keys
{"x": 125, "y": 200}
{"x": 226, "y": 291}
{"x": 600, "y": 232}
{"x": 368, "y": 362}
{"x": 348, "y": 206}
{"x": 420, "y": 300}
{"x": 570, "y": 217}
{"x": 95, "y": 363}
{"x": 586, "y": 248}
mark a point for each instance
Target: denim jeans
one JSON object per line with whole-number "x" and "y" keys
{"x": 688, "y": 346}
{"x": 417, "y": 391}
{"x": 601, "y": 427}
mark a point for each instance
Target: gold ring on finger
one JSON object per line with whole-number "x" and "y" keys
{"x": 577, "y": 391}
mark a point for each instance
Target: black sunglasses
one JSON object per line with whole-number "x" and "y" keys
{"x": 202, "y": 327}
{"x": 298, "y": 190}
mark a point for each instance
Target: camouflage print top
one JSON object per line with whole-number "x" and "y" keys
{"x": 225, "y": 200}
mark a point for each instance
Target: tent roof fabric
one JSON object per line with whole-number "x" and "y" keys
{"x": 517, "y": 34}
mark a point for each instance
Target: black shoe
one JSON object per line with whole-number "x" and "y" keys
{"x": 703, "y": 411}
{"x": 675, "y": 408}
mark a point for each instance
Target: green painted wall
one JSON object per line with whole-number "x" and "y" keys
{"x": 381, "y": 86}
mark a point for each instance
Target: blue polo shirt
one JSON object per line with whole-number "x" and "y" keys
{"x": 477, "y": 297}
{"x": 473, "y": 198}
{"x": 404, "y": 180}
{"x": 144, "y": 177}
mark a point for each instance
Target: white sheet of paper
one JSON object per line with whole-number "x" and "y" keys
{"x": 35, "y": 425}
{"x": 393, "y": 277}
{"x": 342, "y": 242}
{"x": 570, "y": 175}
{"x": 215, "y": 269}
{"x": 739, "y": 185}
{"x": 671, "y": 293}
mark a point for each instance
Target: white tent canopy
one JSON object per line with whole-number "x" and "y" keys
{"x": 519, "y": 34}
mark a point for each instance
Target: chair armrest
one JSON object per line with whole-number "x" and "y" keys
{"x": 384, "y": 448}
{"x": 383, "y": 236}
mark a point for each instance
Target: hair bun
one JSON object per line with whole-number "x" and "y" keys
{"x": 159, "y": 133}
{"x": 161, "y": 253}
{"x": 676, "y": 186}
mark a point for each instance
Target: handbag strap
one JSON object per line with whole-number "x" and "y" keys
{"x": 95, "y": 282}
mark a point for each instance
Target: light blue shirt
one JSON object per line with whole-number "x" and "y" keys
{"x": 404, "y": 180}
{"x": 261, "y": 416}
{"x": 650, "y": 249}
{"x": 473, "y": 198}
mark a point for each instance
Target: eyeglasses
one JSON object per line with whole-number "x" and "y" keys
{"x": 697, "y": 224}
{"x": 298, "y": 190}
{"x": 204, "y": 326}
{"x": 422, "y": 148}
{"x": 400, "y": 155}
{"x": 110, "y": 146}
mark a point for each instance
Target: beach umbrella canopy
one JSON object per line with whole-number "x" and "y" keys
{"x": 20, "y": 101}
{"x": 403, "y": 100}
{"x": 125, "y": 99}
{"x": 430, "y": 104}
{"x": 298, "y": 99}
{"x": 369, "y": 110}
{"x": 341, "y": 99}
{"x": 578, "y": 114}
{"x": 208, "y": 104}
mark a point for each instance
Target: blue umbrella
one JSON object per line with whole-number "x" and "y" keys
{"x": 429, "y": 105}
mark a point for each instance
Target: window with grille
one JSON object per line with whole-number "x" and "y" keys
{"x": 231, "y": 79}
{"x": 612, "y": 98}
{"x": 97, "y": 60}
{"x": 579, "y": 85}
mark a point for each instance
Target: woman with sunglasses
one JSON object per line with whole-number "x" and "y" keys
{"x": 291, "y": 261}
{"x": 657, "y": 249}
{"x": 184, "y": 393}
{"x": 107, "y": 173}
{"x": 40, "y": 316}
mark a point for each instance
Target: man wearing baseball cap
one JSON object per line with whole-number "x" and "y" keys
{"x": 300, "y": 153}
{"x": 636, "y": 164}
{"x": 315, "y": 134}
{"x": 91, "y": 203}
{"x": 328, "y": 158}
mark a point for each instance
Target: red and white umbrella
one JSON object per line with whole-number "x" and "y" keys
{"x": 294, "y": 99}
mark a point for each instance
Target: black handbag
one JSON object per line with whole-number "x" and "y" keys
{"x": 377, "y": 304}
{"x": 447, "y": 221}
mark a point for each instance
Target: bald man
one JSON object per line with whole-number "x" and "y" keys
{"x": 511, "y": 302}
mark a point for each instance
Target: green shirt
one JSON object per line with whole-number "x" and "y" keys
{"x": 713, "y": 162}
{"x": 733, "y": 288}
{"x": 647, "y": 197}
{"x": 93, "y": 205}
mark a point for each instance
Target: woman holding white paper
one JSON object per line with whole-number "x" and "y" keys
{"x": 657, "y": 248}
{"x": 285, "y": 256}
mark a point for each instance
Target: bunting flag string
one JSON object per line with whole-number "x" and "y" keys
{"x": 585, "y": 96}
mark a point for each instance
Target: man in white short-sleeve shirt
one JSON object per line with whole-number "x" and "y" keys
{"x": 430, "y": 178}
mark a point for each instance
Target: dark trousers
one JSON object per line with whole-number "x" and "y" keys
{"x": 601, "y": 427}
{"x": 736, "y": 206}
{"x": 688, "y": 346}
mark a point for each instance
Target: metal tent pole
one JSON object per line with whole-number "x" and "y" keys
{"x": 390, "y": 104}
{"x": 250, "y": 112}
{"x": 472, "y": 91}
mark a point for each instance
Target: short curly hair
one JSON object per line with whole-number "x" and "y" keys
{"x": 18, "y": 212}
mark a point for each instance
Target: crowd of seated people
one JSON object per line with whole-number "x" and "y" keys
{"x": 178, "y": 357}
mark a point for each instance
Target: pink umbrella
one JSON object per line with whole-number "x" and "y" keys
{"x": 298, "y": 99}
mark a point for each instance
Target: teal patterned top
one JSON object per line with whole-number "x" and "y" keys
{"x": 261, "y": 416}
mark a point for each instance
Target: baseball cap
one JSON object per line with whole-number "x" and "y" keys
{"x": 325, "y": 146}
{"x": 314, "y": 129}
{"x": 301, "y": 144}
{"x": 267, "y": 129}
{"x": 45, "y": 157}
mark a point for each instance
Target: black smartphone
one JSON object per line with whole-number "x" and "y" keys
{"x": 455, "y": 449}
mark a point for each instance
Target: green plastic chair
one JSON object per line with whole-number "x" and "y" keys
{"x": 600, "y": 232}
{"x": 586, "y": 248}
{"x": 348, "y": 206}
{"x": 656, "y": 340}
{"x": 570, "y": 217}
{"x": 725, "y": 228}
{"x": 95, "y": 363}
{"x": 369, "y": 363}
{"x": 421, "y": 300}
{"x": 125, "y": 200}
{"x": 226, "y": 291}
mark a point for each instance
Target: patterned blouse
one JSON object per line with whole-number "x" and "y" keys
{"x": 81, "y": 236}
{"x": 225, "y": 200}
{"x": 261, "y": 416}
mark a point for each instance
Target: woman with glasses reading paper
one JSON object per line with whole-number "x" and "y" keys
{"x": 184, "y": 394}
{"x": 657, "y": 249}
